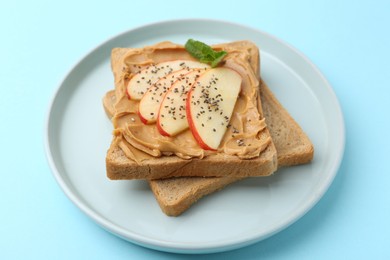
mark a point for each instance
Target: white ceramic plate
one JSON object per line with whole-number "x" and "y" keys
{"x": 78, "y": 135}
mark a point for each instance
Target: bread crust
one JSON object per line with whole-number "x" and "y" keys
{"x": 174, "y": 203}
{"x": 119, "y": 167}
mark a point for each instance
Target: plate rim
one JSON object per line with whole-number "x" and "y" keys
{"x": 174, "y": 247}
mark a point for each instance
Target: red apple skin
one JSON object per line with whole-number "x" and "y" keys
{"x": 192, "y": 126}
{"x": 168, "y": 92}
{"x": 177, "y": 74}
{"x": 127, "y": 94}
{"x": 162, "y": 132}
{"x": 143, "y": 120}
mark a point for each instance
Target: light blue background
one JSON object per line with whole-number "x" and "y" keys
{"x": 41, "y": 40}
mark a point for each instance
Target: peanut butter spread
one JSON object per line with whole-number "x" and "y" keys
{"x": 138, "y": 141}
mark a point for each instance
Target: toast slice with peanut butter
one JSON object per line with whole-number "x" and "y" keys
{"x": 138, "y": 151}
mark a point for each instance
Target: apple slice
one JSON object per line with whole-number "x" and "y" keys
{"x": 210, "y": 105}
{"x": 150, "y": 102}
{"x": 172, "y": 117}
{"x": 140, "y": 82}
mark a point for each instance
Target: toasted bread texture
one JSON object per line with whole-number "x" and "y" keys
{"x": 292, "y": 144}
{"x": 120, "y": 167}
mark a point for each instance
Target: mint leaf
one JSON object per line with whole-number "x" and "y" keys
{"x": 204, "y": 53}
{"x": 195, "y": 48}
{"x": 218, "y": 58}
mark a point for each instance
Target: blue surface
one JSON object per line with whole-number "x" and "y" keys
{"x": 349, "y": 43}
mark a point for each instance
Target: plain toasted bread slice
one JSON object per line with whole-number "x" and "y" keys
{"x": 120, "y": 167}
{"x": 292, "y": 144}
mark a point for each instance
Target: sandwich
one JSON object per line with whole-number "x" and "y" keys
{"x": 217, "y": 129}
{"x": 175, "y": 193}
